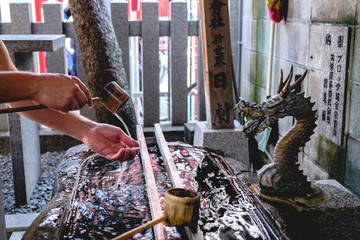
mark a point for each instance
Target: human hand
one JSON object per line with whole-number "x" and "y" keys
{"x": 111, "y": 142}
{"x": 61, "y": 92}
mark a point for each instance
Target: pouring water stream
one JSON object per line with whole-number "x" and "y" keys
{"x": 122, "y": 165}
{"x": 113, "y": 98}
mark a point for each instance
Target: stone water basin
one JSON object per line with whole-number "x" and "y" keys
{"x": 99, "y": 199}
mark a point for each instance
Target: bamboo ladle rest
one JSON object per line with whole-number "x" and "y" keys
{"x": 112, "y": 97}
{"x": 181, "y": 207}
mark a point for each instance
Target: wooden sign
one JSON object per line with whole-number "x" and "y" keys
{"x": 333, "y": 78}
{"x": 217, "y": 65}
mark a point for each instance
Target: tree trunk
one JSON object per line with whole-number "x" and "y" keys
{"x": 101, "y": 55}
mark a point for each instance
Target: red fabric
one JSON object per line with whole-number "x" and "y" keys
{"x": 277, "y": 10}
{"x": 275, "y": 15}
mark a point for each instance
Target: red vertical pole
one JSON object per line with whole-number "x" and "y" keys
{"x": 38, "y": 17}
{"x": 163, "y": 8}
{"x": 38, "y": 6}
{"x": 135, "y": 6}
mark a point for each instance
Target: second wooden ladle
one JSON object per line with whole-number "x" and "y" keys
{"x": 181, "y": 207}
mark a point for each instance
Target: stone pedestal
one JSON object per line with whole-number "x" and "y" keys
{"x": 3, "y": 121}
{"x": 24, "y": 134}
{"x": 338, "y": 218}
{"x": 2, "y": 215}
{"x": 231, "y": 141}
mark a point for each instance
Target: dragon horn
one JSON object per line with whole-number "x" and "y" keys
{"x": 298, "y": 81}
{"x": 287, "y": 88}
{"x": 281, "y": 82}
{"x": 284, "y": 92}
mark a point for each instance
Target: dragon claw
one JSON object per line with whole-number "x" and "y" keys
{"x": 273, "y": 187}
{"x": 273, "y": 183}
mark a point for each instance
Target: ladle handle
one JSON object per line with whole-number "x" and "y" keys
{"x": 22, "y": 109}
{"x": 141, "y": 228}
{"x": 30, "y": 108}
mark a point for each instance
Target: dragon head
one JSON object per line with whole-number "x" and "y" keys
{"x": 263, "y": 114}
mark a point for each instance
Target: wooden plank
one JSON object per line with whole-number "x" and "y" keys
{"x": 217, "y": 63}
{"x": 174, "y": 179}
{"x": 168, "y": 161}
{"x": 153, "y": 195}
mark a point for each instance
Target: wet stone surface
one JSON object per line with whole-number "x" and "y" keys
{"x": 226, "y": 209}
{"x": 107, "y": 199}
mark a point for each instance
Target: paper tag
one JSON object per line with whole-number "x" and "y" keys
{"x": 263, "y": 138}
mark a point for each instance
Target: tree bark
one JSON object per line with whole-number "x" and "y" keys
{"x": 101, "y": 55}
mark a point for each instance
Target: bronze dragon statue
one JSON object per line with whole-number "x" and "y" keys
{"x": 282, "y": 180}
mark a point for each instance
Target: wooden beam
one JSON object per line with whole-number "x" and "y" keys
{"x": 153, "y": 195}
{"x": 217, "y": 63}
{"x": 168, "y": 160}
{"x": 174, "y": 178}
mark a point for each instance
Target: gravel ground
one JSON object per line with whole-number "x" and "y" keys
{"x": 43, "y": 191}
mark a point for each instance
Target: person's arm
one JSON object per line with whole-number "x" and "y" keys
{"x": 107, "y": 140}
{"x": 47, "y": 89}
{"x": 5, "y": 64}
{"x": 58, "y": 91}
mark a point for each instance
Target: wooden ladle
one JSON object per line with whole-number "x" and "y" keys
{"x": 181, "y": 207}
{"x": 112, "y": 97}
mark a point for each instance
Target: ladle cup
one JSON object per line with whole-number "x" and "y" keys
{"x": 181, "y": 207}
{"x": 112, "y": 97}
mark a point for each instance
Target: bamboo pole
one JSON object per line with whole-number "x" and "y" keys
{"x": 141, "y": 228}
{"x": 270, "y": 63}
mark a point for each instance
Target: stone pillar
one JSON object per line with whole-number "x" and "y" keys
{"x": 234, "y": 19}
{"x": 24, "y": 134}
{"x": 3, "y": 117}
{"x": 3, "y": 236}
{"x": 2, "y": 216}
{"x": 150, "y": 48}
{"x": 119, "y": 18}
{"x": 178, "y": 62}
{"x": 230, "y": 141}
{"x": 200, "y": 81}
{"x": 56, "y": 62}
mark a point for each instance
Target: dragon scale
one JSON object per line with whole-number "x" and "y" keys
{"x": 287, "y": 148}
